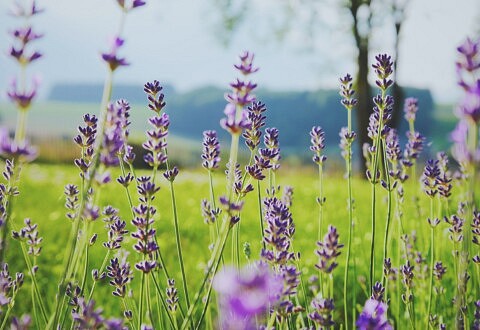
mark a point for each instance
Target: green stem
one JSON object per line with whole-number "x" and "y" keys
{"x": 142, "y": 297}
{"x": 178, "y": 243}
{"x": 171, "y": 318}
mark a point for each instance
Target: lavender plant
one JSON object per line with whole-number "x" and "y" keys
{"x": 416, "y": 287}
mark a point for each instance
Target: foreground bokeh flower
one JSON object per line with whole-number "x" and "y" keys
{"x": 374, "y": 316}
{"x": 246, "y": 294}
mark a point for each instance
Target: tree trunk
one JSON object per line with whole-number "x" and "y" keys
{"x": 364, "y": 96}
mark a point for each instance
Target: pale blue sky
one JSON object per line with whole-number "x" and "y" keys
{"x": 173, "y": 41}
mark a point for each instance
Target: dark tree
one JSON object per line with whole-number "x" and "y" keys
{"x": 359, "y": 15}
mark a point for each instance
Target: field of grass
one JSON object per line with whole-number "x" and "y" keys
{"x": 41, "y": 199}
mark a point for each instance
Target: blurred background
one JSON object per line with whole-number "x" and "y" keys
{"x": 301, "y": 46}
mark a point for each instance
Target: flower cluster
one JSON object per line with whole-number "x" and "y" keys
{"x": 120, "y": 274}
{"x": 29, "y": 235}
{"x": 256, "y": 118}
{"x": 210, "y": 151}
{"x": 374, "y": 316}
{"x": 328, "y": 251}
{"x": 246, "y": 294}
{"x": 466, "y": 148}
{"x": 241, "y": 95}
{"x": 116, "y": 228}
{"x": 322, "y": 312}
{"x": 86, "y": 141}
{"x": 8, "y": 285}
{"x": 430, "y": 177}
{"x": 317, "y": 140}
{"x": 278, "y": 231}
{"x": 115, "y": 133}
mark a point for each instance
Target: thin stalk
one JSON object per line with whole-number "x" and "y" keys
{"x": 389, "y": 214}
{"x": 43, "y": 310}
{"x": 260, "y": 212}
{"x": 142, "y": 297}
{"x": 179, "y": 246}
{"x": 171, "y": 318}
{"x": 350, "y": 220}
{"x": 100, "y": 271}
{"x": 9, "y": 207}
{"x": 214, "y": 262}
{"x": 209, "y": 291}
{"x": 8, "y": 311}
{"x": 212, "y": 196}
{"x": 129, "y": 197}
{"x": 320, "y": 202}
{"x": 376, "y": 157}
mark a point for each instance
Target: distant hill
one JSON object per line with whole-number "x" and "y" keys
{"x": 293, "y": 113}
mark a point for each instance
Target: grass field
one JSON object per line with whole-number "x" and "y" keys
{"x": 41, "y": 199}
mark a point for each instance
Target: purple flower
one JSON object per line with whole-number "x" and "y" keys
{"x": 111, "y": 58}
{"x": 211, "y": 150}
{"x": 322, "y": 312}
{"x": 172, "y": 296}
{"x": 346, "y": 140}
{"x": 22, "y": 99}
{"x": 470, "y": 105}
{"x": 328, "y": 251}
{"x": 22, "y": 323}
{"x": 468, "y": 61}
{"x": 374, "y": 316}
{"x": 439, "y": 270}
{"x": 130, "y": 4}
{"x": 246, "y": 66}
{"x": 8, "y": 285}
{"x": 20, "y": 11}
{"x": 209, "y": 213}
{"x": 410, "y": 109}
{"x": 233, "y": 123}
{"x": 430, "y": 177}
{"x": 23, "y": 152}
{"x": 383, "y": 68}
{"x": 85, "y": 316}
{"x": 115, "y": 133}
{"x": 155, "y": 98}
{"x": 120, "y": 275}
{"x": 279, "y": 229}
{"x": 256, "y": 119}
{"x": 246, "y": 294}
{"x": 29, "y": 234}
{"x": 317, "y": 140}
{"x": 156, "y": 143}
{"x": 347, "y": 92}
{"x": 414, "y": 146}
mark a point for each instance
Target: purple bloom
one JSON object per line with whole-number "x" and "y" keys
{"x": 317, "y": 139}
{"x": 414, "y": 146}
{"x": 383, "y": 68}
{"x": 439, "y": 270}
{"x": 374, "y": 316}
{"x": 22, "y": 323}
{"x": 347, "y": 92}
{"x": 120, "y": 275}
{"x": 130, "y": 4}
{"x": 85, "y": 316}
{"x": 20, "y": 11}
{"x": 346, "y": 140}
{"x": 246, "y": 66}
{"x": 328, "y": 251}
{"x": 430, "y": 177}
{"x": 410, "y": 109}
{"x": 8, "y": 285}
{"x": 246, "y": 294}
{"x": 156, "y": 143}
{"x": 278, "y": 232}
{"x": 23, "y": 152}
{"x": 322, "y": 312}
{"x": 172, "y": 296}
{"x": 155, "y": 98}
{"x": 233, "y": 123}
{"x": 211, "y": 150}
{"x": 22, "y": 99}
{"x": 470, "y": 105}
{"x": 111, "y": 58}
{"x": 468, "y": 62}
{"x": 256, "y": 119}
{"x": 115, "y": 133}
{"x": 29, "y": 235}
{"x": 209, "y": 213}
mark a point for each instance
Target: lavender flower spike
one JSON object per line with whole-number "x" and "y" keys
{"x": 111, "y": 58}
{"x": 246, "y": 294}
{"x": 374, "y": 316}
{"x": 317, "y": 139}
{"x": 211, "y": 150}
{"x": 328, "y": 251}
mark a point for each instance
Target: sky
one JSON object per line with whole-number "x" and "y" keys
{"x": 176, "y": 42}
